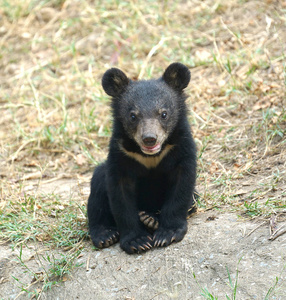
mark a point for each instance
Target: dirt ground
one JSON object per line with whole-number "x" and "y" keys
{"x": 215, "y": 242}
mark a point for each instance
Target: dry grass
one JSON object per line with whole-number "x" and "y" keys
{"x": 55, "y": 120}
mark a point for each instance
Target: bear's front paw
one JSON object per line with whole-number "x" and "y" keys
{"x": 104, "y": 237}
{"x": 151, "y": 221}
{"x": 136, "y": 243}
{"x": 165, "y": 236}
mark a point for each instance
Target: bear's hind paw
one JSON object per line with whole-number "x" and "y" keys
{"x": 164, "y": 237}
{"x": 137, "y": 244}
{"x": 104, "y": 237}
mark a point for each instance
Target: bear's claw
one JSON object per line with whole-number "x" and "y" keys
{"x": 151, "y": 221}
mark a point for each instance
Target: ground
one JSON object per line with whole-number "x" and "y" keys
{"x": 55, "y": 125}
{"x": 217, "y": 248}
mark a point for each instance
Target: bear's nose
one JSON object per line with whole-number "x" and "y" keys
{"x": 149, "y": 140}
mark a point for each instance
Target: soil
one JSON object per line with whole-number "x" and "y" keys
{"x": 216, "y": 243}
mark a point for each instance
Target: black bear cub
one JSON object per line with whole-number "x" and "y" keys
{"x": 142, "y": 194}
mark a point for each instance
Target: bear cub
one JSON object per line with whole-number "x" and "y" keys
{"x": 141, "y": 195}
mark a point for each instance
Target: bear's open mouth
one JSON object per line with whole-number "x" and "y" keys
{"x": 151, "y": 150}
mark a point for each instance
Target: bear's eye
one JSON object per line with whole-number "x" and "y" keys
{"x": 133, "y": 117}
{"x": 164, "y": 115}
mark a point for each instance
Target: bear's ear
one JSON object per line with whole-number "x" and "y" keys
{"x": 177, "y": 76}
{"x": 114, "y": 82}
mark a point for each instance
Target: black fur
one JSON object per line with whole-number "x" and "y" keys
{"x": 130, "y": 180}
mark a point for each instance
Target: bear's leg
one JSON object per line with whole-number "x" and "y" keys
{"x": 151, "y": 220}
{"x": 174, "y": 212}
{"x": 122, "y": 192}
{"x": 102, "y": 227}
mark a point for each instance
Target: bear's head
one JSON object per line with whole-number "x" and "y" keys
{"x": 149, "y": 110}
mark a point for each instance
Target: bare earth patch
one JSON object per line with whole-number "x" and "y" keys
{"x": 216, "y": 243}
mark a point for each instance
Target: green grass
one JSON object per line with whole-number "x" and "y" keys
{"x": 53, "y": 272}
{"x": 233, "y": 283}
{"x": 44, "y": 219}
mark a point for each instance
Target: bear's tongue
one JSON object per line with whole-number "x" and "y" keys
{"x": 151, "y": 150}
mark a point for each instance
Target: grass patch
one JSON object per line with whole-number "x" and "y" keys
{"x": 44, "y": 219}
{"x": 53, "y": 272}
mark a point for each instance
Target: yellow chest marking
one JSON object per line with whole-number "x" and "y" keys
{"x": 147, "y": 161}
